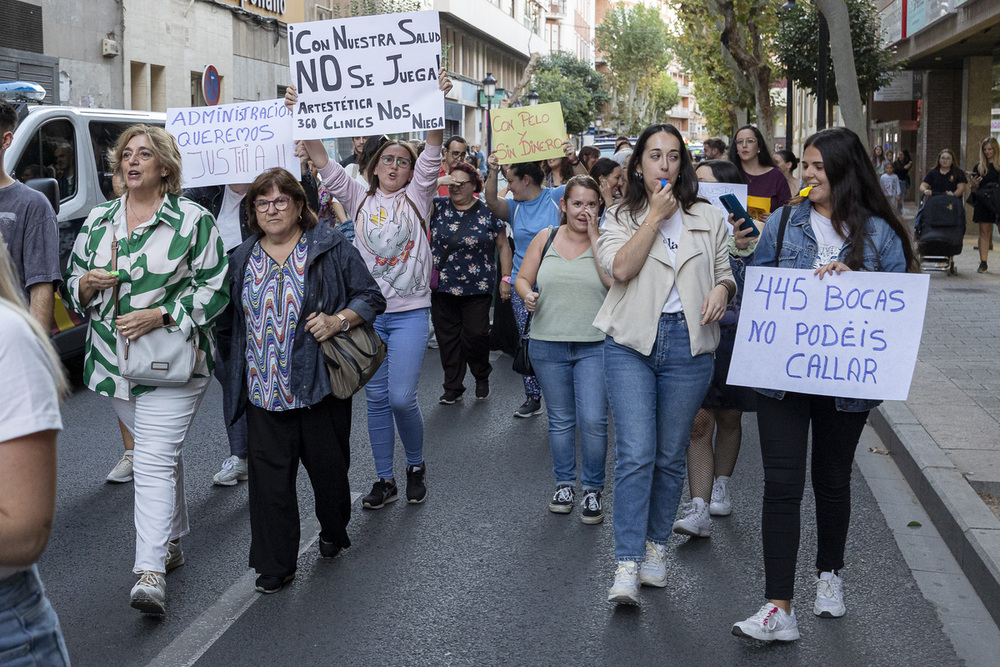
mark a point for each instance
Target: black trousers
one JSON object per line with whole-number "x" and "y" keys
{"x": 784, "y": 430}
{"x": 462, "y": 327}
{"x": 320, "y": 437}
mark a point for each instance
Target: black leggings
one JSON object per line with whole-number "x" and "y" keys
{"x": 784, "y": 431}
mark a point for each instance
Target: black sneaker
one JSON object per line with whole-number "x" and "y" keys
{"x": 562, "y": 501}
{"x": 267, "y": 584}
{"x": 482, "y": 388}
{"x": 416, "y": 492}
{"x": 982, "y": 267}
{"x": 591, "y": 504}
{"x": 450, "y": 397}
{"x": 383, "y": 491}
{"x": 329, "y": 549}
{"x": 529, "y": 408}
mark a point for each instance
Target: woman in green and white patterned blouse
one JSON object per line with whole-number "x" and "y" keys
{"x": 171, "y": 272}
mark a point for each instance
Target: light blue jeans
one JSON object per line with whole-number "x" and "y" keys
{"x": 572, "y": 378}
{"x": 654, "y": 400}
{"x": 392, "y": 392}
{"x": 29, "y": 628}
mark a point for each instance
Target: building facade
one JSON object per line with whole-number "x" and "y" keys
{"x": 569, "y": 27}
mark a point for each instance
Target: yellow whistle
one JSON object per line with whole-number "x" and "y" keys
{"x": 804, "y": 192}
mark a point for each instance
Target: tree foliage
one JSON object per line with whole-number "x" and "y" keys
{"x": 346, "y": 8}
{"x": 665, "y": 96}
{"x": 636, "y": 42}
{"x": 561, "y": 77}
{"x": 797, "y": 48}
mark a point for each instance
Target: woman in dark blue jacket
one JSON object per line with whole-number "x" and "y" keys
{"x": 844, "y": 223}
{"x": 293, "y": 285}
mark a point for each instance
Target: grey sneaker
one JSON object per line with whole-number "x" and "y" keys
{"x": 149, "y": 595}
{"x": 653, "y": 571}
{"x": 769, "y": 624}
{"x": 122, "y": 472}
{"x": 625, "y": 590}
{"x": 829, "y": 596}
{"x": 696, "y": 521}
{"x": 722, "y": 502}
{"x": 175, "y": 557}
{"x": 234, "y": 469}
{"x": 530, "y": 408}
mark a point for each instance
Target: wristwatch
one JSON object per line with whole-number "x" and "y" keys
{"x": 344, "y": 323}
{"x": 166, "y": 316}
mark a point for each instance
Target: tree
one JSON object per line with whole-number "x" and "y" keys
{"x": 636, "y": 43}
{"x": 558, "y": 78}
{"x": 370, "y": 7}
{"x": 665, "y": 96}
{"x": 855, "y": 50}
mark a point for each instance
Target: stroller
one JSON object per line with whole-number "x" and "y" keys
{"x": 940, "y": 228}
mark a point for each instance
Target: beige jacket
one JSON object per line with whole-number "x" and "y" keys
{"x": 631, "y": 311}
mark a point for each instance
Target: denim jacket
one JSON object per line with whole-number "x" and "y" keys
{"x": 883, "y": 252}
{"x": 347, "y": 284}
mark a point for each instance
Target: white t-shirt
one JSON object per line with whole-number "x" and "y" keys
{"x": 670, "y": 234}
{"x": 28, "y": 401}
{"x": 228, "y": 221}
{"x": 829, "y": 241}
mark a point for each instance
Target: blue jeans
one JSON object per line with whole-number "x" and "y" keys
{"x": 392, "y": 392}
{"x": 572, "y": 377}
{"x": 237, "y": 431}
{"x": 654, "y": 400}
{"x": 29, "y": 628}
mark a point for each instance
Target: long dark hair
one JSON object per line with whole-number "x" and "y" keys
{"x": 723, "y": 171}
{"x": 566, "y": 170}
{"x": 604, "y": 166}
{"x": 763, "y": 153}
{"x": 686, "y": 187}
{"x": 855, "y": 194}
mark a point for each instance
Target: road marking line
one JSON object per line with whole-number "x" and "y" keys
{"x": 197, "y": 638}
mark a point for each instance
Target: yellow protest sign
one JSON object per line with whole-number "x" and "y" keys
{"x": 525, "y": 134}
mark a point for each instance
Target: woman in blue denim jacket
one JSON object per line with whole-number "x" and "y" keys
{"x": 844, "y": 223}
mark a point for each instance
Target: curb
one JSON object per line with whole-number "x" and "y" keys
{"x": 968, "y": 527}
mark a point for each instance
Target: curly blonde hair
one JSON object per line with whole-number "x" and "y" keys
{"x": 164, "y": 147}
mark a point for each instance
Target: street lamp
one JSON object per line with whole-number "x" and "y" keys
{"x": 532, "y": 98}
{"x": 489, "y": 89}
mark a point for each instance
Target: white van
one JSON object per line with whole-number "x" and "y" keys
{"x": 70, "y": 144}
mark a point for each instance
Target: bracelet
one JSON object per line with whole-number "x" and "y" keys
{"x": 505, "y": 279}
{"x": 730, "y": 289}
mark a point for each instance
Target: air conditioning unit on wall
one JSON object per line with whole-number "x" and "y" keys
{"x": 109, "y": 48}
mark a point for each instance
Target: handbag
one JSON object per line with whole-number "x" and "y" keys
{"x": 164, "y": 357}
{"x": 351, "y": 357}
{"x": 522, "y": 359}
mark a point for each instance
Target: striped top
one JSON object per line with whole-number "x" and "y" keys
{"x": 272, "y": 301}
{"x": 175, "y": 260}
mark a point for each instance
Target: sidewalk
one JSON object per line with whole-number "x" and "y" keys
{"x": 946, "y": 437}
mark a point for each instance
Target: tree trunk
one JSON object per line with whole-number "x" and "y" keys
{"x": 529, "y": 71}
{"x": 842, "y": 52}
{"x": 752, "y": 64}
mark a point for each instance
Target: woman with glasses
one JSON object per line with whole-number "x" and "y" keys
{"x": 293, "y": 285}
{"x": 390, "y": 223}
{"x": 561, "y": 283}
{"x": 767, "y": 186}
{"x": 465, "y": 236}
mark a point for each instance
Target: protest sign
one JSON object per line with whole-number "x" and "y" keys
{"x": 526, "y": 134}
{"x": 855, "y": 335}
{"x": 712, "y": 192}
{"x": 366, "y": 75}
{"x": 232, "y": 143}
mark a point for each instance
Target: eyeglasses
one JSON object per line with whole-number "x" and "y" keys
{"x": 402, "y": 162}
{"x": 280, "y": 204}
{"x": 746, "y": 142}
{"x": 458, "y": 184}
{"x": 457, "y": 154}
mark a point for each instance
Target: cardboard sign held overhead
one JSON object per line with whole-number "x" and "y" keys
{"x": 527, "y": 134}
{"x": 855, "y": 335}
{"x": 366, "y": 75}
{"x": 232, "y": 143}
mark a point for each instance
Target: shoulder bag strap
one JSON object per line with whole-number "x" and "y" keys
{"x": 409, "y": 201}
{"x": 114, "y": 265}
{"x": 786, "y": 212}
{"x": 545, "y": 249}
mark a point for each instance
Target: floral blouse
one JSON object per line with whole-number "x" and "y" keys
{"x": 465, "y": 241}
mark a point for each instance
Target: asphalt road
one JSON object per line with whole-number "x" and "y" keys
{"x": 481, "y": 574}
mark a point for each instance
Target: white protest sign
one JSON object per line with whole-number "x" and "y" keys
{"x": 232, "y": 143}
{"x": 713, "y": 191}
{"x": 366, "y": 75}
{"x": 855, "y": 335}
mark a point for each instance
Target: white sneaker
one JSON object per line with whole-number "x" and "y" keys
{"x": 234, "y": 469}
{"x": 769, "y": 624}
{"x": 696, "y": 521}
{"x": 122, "y": 472}
{"x": 175, "y": 557}
{"x": 149, "y": 595}
{"x": 653, "y": 571}
{"x": 829, "y": 596}
{"x": 722, "y": 504}
{"x": 625, "y": 590}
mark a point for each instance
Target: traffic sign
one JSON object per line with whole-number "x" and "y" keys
{"x": 211, "y": 85}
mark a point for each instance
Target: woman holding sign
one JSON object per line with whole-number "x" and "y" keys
{"x": 667, "y": 252}
{"x": 844, "y": 223}
{"x": 390, "y": 222}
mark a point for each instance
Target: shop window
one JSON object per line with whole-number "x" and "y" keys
{"x": 103, "y": 136}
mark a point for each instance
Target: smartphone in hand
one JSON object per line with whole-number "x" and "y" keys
{"x": 734, "y": 206}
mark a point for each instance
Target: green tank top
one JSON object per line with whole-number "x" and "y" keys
{"x": 570, "y": 293}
